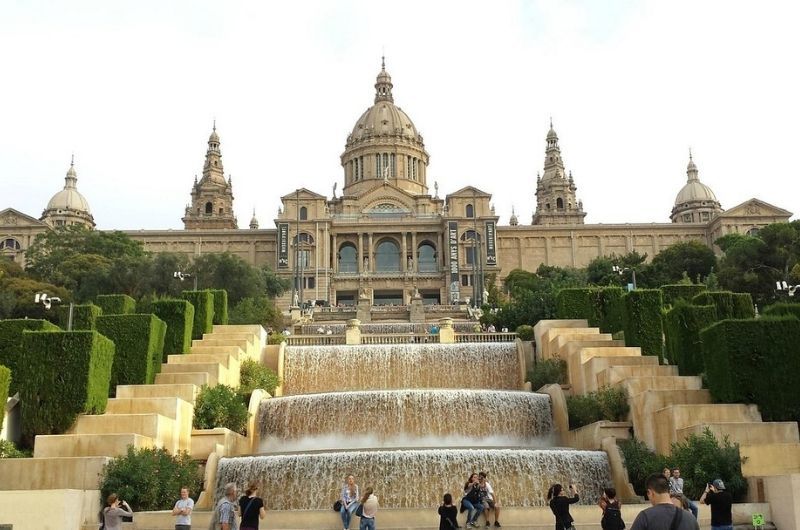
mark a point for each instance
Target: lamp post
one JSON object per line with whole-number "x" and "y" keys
{"x": 183, "y": 275}
{"x": 783, "y": 287}
{"x": 619, "y": 270}
{"x": 47, "y": 301}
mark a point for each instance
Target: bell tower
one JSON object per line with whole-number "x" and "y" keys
{"x": 556, "y": 203}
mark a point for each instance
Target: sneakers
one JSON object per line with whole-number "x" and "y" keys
{"x": 497, "y": 524}
{"x": 487, "y": 524}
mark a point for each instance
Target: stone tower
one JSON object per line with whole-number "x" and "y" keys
{"x": 212, "y": 197}
{"x": 696, "y": 202}
{"x": 556, "y": 203}
{"x": 68, "y": 207}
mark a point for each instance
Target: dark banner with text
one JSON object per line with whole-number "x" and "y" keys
{"x": 283, "y": 245}
{"x": 491, "y": 244}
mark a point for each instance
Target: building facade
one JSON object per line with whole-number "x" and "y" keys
{"x": 387, "y": 237}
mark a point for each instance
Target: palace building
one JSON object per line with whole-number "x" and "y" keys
{"x": 388, "y": 236}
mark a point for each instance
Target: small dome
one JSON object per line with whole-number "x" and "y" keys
{"x": 214, "y": 136}
{"x": 693, "y": 191}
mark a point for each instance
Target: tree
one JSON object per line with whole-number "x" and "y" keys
{"x": 693, "y": 258}
{"x": 230, "y": 272}
{"x": 600, "y": 271}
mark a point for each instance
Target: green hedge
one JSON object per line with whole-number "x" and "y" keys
{"x": 755, "y": 361}
{"x": 116, "y": 304}
{"x": 83, "y": 316}
{"x": 220, "y": 306}
{"x": 5, "y": 384}
{"x": 682, "y": 326}
{"x": 11, "y": 352}
{"x": 602, "y": 307}
{"x": 179, "y": 316}
{"x": 64, "y": 374}
{"x": 643, "y": 320}
{"x": 203, "y": 302}
{"x": 782, "y": 308}
{"x": 607, "y": 403}
{"x": 525, "y": 332}
{"x": 139, "y": 342}
{"x": 728, "y": 304}
{"x": 673, "y": 293}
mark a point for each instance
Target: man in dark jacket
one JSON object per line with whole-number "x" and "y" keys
{"x": 720, "y": 502}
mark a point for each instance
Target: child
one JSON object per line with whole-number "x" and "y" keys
{"x": 447, "y": 513}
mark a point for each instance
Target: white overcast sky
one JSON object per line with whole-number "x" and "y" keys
{"x": 132, "y": 87}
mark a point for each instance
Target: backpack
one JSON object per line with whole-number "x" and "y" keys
{"x": 612, "y": 518}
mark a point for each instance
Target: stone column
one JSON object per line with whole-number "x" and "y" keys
{"x": 404, "y": 251}
{"x": 335, "y": 254}
{"x": 371, "y": 254}
{"x": 360, "y": 266}
{"x": 446, "y": 333}
{"x": 352, "y": 332}
{"x": 414, "y": 264}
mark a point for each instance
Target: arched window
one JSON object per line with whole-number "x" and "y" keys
{"x": 10, "y": 244}
{"x": 426, "y": 257}
{"x": 559, "y": 203}
{"x": 387, "y": 256}
{"x": 348, "y": 258}
{"x": 470, "y": 210}
{"x": 303, "y": 213}
{"x": 753, "y": 232}
{"x": 305, "y": 239}
{"x": 209, "y": 208}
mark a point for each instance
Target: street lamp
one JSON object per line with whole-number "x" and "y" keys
{"x": 47, "y": 301}
{"x": 784, "y": 287}
{"x": 183, "y": 275}
{"x": 619, "y": 270}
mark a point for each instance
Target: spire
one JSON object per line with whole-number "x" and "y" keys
{"x": 212, "y": 169}
{"x": 513, "y": 221}
{"x": 553, "y": 165}
{"x": 383, "y": 84}
{"x": 691, "y": 168}
{"x": 254, "y": 221}
{"x": 71, "y": 180}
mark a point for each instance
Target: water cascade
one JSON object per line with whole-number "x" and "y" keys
{"x": 416, "y": 478}
{"x": 310, "y": 369}
{"x": 405, "y": 418}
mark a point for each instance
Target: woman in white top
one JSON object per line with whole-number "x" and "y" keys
{"x": 370, "y": 504}
{"x": 113, "y": 513}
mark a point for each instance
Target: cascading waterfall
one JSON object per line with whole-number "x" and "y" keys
{"x": 311, "y": 369}
{"x": 417, "y": 478}
{"x": 405, "y": 418}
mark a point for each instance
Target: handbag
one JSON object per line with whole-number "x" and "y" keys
{"x": 337, "y": 506}
{"x": 360, "y": 510}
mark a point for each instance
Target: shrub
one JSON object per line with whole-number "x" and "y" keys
{"x": 702, "y": 458}
{"x": 150, "y": 478}
{"x": 220, "y": 406}
{"x": 641, "y": 462}
{"x": 728, "y": 304}
{"x": 116, "y": 304}
{"x": 525, "y": 332}
{"x": 755, "y": 361}
{"x": 220, "y": 306}
{"x": 139, "y": 342}
{"x": 682, "y": 326}
{"x": 548, "y": 372}
{"x": 276, "y": 338}
{"x": 674, "y": 292}
{"x": 83, "y": 316}
{"x": 602, "y": 307}
{"x": 643, "y": 320}
{"x": 11, "y": 352}
{"x": 203, "y": 302}
{"x": 608, "y": 403}
{"x": 782, "y": 309}
{"x": 179, "y": 317}
{"x": 573, "y": 303}
{"x": 5, "y": 384}
{"x": 255, "y": 375}
{"x": 64, "y": 374}
{"x": 9, "y": 450}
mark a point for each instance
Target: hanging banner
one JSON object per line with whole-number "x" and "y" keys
{"x": 283, "y": 245}
{"x": 452, "y": 238}
{"x": 491, "y": 244}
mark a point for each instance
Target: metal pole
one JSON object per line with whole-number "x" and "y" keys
{"x": 633, "y": 271}
{"x": 69, "y": 318}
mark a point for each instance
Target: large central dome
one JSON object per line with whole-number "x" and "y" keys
{"x": 384, "y": 146}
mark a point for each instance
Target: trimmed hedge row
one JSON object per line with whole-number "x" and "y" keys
{"x": 728, "y": 304}
{"x": 83, "y": 316}
{"x": 755, "y": 361}
{"x": 220, "y": 306}
{"x": 5, "y": 384}
{"x": 682, "y": 326}
{"x": 782, "y": 308}
{"x": 643, "y": 320}
{"x": 64, "y": 374}
{"x": 11, "y": 344}
{"x": 179, "y": 316}
{"x": 139, "y": 343}
{"x": 116, "y": 304}
{"x": 602, "y": 307}
{"x": 203, "y": 302}
{"x": 674, "y": 292}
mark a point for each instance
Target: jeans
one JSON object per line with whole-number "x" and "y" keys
{"x": 347, "y": 513}
{"x": 693, "y": 508}
{"x": 473, "y": 511}
{"x": 723, "y": 527}
{"x": 367, "y": 523}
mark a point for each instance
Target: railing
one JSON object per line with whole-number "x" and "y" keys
{"x": 314, "y": 340}
{"x": 486, "y": 337}
{"x": 389, "y": 309}
{"x": 335, "y": 309}
{"x": 439, "y": 308}
{"x": 399, "y": 338}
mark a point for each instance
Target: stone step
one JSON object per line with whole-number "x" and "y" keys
{"x": 225, "y": 359}
{"x": 614, "y": 374}
{"x": 584, "y": 364}
{"x": 58, "y": 473}
{"x": 240, "y": 343}
{"x": 186, "y": 392}
{"x": 163, "y": 430}
{"x": 217, "y": 374}
{"x": 216, "y": 335}
{"x": 637, "y": 385}
{"x": 645, "y": 404}
{"x": 233, "y": 351}
{"x": 72, "y": 445}
{"x": 770, "y": 459}
{"x": 749, "y": 433}
{"x": 171, "y": 407}
{"x": 670, "y": 419}
{"x": 191, "y": 378}
{"x": 255, "y": 329}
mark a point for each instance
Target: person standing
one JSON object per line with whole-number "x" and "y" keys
{"x": 448, "y": 514}
{"x": 251, "y": 507}
{"x": 612, "y": 510}
{"x": 489, "y": 500}
{"x": 226, "y": 508}
{"x": 114, "y": 512}
{"x": 720, "y": 502}
{"x": 662, "y": 515}
{"x": 349, "y": 498}
{"x": 559, "y": 504}
{"x": 370, "y": 509}
{"x": 183, "y": 510}
{"x": 676, "y": 487}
